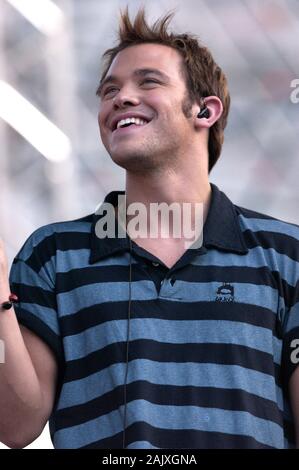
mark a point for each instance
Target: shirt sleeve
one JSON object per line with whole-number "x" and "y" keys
{"x": 32, "y": 279}
{"x": 290, "y": 351}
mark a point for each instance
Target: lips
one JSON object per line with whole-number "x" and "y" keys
{"x": 118, "y": 118}
{"x": 128, "y": 129}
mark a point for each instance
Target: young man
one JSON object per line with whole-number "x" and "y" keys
{"x": 139, "y": 342}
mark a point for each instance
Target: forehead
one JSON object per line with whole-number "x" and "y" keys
{"x": 157, "y": 56}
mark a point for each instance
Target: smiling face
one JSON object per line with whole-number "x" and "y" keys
{"x": 145, "y": 82}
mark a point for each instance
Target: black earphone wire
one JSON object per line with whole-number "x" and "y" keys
{"x": 127, "y": 348}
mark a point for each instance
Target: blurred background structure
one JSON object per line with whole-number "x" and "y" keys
{"x": 53, "y": 165}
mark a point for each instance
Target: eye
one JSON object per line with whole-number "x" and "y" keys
{"x": 108, "y": 90}
{"x": 148, "y": 80}
{"x": 111, "y": 89}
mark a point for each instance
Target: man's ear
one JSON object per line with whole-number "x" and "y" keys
{"x": 209, "y": 113}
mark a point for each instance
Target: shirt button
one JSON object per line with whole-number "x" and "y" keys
{"x": 155, "y": 264}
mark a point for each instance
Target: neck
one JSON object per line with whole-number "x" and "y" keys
{"x": 189, "y": 184}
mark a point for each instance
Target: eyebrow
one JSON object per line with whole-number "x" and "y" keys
{"x": 136, "y": 73}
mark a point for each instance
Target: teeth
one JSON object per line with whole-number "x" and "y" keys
{"x": 137, "y": 121}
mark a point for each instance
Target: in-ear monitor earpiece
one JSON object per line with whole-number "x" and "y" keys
{"x": 204, "y": 113}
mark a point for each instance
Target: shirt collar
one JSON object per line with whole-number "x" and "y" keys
{"x": 221, "y": 229}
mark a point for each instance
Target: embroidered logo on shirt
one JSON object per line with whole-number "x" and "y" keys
{"x": 225, "y": 293}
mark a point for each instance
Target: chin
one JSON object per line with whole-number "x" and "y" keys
{"x": 135, "y": 162}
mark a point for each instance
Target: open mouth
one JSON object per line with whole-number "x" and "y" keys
{"x": 129, "y": 128}
{"x": 132, "y": 123}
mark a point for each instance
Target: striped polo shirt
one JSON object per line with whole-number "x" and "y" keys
{"x": 210, "y": 339}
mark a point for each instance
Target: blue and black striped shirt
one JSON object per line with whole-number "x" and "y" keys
{"x": 210, "y": 338}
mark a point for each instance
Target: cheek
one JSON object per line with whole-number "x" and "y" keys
{"x": 101, "y": 120}
{"x": 103, "y": 114}
{"x": 167, "y": 108}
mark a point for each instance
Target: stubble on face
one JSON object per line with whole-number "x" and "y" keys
{"x": 155, "y": 155}
{"x": 162, "y": 145}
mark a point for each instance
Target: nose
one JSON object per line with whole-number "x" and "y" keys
{"x": 125, "y": 97}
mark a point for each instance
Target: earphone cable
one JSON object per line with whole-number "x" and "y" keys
{"x": 127, "y": 349}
